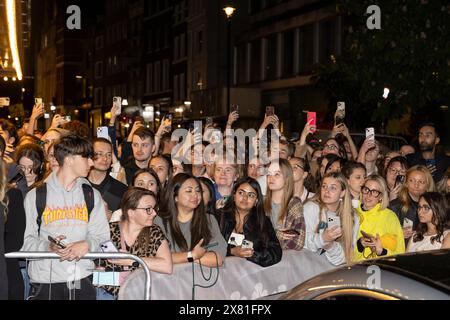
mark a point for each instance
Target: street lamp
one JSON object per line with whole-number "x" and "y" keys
{"x": 229, "y": 11}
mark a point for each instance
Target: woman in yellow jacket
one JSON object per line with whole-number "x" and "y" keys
{"x": 380, "y": 233}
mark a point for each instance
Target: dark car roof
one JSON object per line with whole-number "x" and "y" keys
{"x": 432, "y": 267}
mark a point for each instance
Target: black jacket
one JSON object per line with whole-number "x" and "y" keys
{"x": 14, "y": 232}
{"x": 264, "y": 255}
{"x": 3, "y": 277}
{"x": 412, "y": 215}
{"x": 112, "y": 192}
{"x": 442, "y": 164}
{"x": 128, "y": 162}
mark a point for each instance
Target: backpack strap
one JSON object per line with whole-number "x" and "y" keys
{"x": 88, "y": 198}
{"x": 41, "y": 202}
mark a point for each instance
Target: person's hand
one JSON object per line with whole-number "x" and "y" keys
{"x": 232, "y": 118}
{"x": 367, "y": 243}
{"x": 121, "y": 262}
{"x": 58, "y": 121}
{"x": 367, "y": 145}
{"x": 242, "y": 253}
{"x": 165, "y": 127}
{"x": 283, "y": 235}
{"x": 115, "y": 112}
{"x": 38, "y": 112}
{"x": 198, "y": 252}
{"x": 309, "y": 128}
{"x": 136, "y": 126}
{"x": 273, "y": 120}
{"x": 393, "y": 194}
{"x": 378, "y": 247}
{"x": 54, "y": 248}
{"x": 329, "y": 235}
{"x": 408, "y": 232}
{"x": 75, "y": 251}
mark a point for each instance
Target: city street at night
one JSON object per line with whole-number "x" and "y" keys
{"x": 249, "y": 152}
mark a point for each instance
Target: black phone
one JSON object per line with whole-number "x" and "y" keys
{"x": 400, "y": 180}
{"x": 367, "y": 236}
{"x": 16, "y": 178}
{"x": 56, "y": 242}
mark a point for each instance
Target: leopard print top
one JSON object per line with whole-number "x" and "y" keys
{"x": 157, "y": 237}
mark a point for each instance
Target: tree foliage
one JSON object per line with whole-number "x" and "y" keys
{"x": 410, "y": 55}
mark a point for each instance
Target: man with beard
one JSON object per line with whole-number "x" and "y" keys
{"x": 428, "y": 140}
{"x": 111, "y": 189}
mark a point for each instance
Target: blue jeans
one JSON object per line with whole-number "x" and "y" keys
{"x": 102, "y": 294}
{"x": 26, "y": 282}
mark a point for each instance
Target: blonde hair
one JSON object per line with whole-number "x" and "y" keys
{"x": 403, "y": 195}
{"x": 345, "y": 212}
{"x": 384, "y": 189}
{"x": 288, "y": 191}
{"x": 3, "y": 187}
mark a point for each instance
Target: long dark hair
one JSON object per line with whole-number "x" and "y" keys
{"x": 211, "y": 206}
{"x": 256, "y": 215}
{"x": 169, "y": 214}
{"x": 438, "y": 205}
{"x": 36, "y": 155}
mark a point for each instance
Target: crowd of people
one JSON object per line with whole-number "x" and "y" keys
{"x": 62, "y": 191}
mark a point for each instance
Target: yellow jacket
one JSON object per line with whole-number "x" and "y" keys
{"x": 386, "y": 224}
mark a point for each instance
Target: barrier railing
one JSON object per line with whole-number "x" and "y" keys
{"x": 89, "y": 256}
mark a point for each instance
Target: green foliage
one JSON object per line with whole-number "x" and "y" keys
{"x": 410, "y": 55}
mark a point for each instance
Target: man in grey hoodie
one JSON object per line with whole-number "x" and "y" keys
{"x": 66, "y": 219}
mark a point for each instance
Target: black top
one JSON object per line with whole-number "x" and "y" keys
{"x": 14, "y": 232}
{"x": 3, "y": 277}
{"x": 396, "y": 206}
{"x": 128, "y": 162}
{"x": 264, "y": 254}
{"x": 441, "y": 164}
{"x": 112, "y": 191}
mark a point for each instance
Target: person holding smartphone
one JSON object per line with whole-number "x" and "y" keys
{"x": 380, "y": 233}
{"x": 136, "y": 234}
{"x": 285, "y": 210}
{"x": 395, "y": 175}
{"x": 418, "y": 180}
{"x": 244, "y": 215}
{"x": 333, "y": 203}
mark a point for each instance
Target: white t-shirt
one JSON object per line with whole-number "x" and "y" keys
{"x": 425, "y": 244}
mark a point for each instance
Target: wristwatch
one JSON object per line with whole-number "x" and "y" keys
{"x": 190, "y": 258}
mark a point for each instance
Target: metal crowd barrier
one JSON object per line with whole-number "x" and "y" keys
{"x": 89, "y": 256}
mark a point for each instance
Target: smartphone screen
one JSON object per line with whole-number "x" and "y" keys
{"x": 234, "y": 108}
{"x": 311, "y": 118}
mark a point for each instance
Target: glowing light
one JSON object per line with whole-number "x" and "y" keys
{"x": 386, "y": 93}
{"x": 5, "y": 79}
{"x": 12, "y": 32}
{"x": 229, "y": 11}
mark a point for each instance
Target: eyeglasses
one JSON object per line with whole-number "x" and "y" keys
{"x": 373, "y": 193}
{"x": 297, "y": 166}
{"x": 102, "y": 155}
{"x": 250, "y": 195}
{"x": 148, "y": 210}
{"x": 398, "y": 172}
{"x": 425, "y": 207}
{"x": 330, "y": 147}
{"x": 26, "y": 169}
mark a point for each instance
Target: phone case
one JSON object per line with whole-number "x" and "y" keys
{"x": 108, "y": 246}
{"x": 311, "y": 118}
